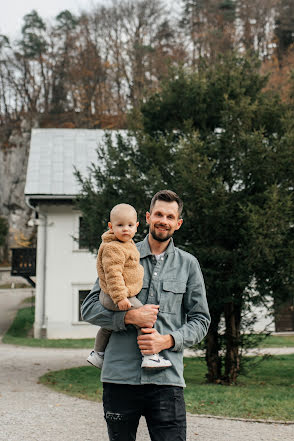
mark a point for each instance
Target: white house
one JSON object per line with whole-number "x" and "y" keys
{"x": 66, "y": 271}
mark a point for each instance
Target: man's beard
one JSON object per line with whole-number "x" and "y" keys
{"x": 159, "y": 238}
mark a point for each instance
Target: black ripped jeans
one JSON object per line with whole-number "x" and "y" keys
{"x": 162, "y": 406}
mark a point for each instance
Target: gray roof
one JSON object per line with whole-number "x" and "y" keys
{"x": 53, "y": 155}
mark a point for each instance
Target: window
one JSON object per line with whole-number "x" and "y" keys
{"x": 79, "y": 293}
{"x": 284, "y": 316}
{"x": 82, "y": 230}
{"x": 82, "y": 295}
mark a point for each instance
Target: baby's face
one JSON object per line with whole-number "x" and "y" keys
{"x": 124, "y": 225}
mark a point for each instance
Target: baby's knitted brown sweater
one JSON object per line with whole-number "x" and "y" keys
{"x": 119, "y": 270}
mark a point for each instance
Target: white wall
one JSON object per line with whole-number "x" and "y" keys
{"x": 68, "y": 269}
{"x": 264, "y": 320}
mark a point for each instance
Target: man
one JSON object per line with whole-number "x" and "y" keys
{"x": 174, "y": 300}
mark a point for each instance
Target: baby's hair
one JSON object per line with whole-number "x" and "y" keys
{"x": 121, "y": 207}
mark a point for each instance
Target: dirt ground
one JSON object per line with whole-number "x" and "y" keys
{"x": 31, "y": 412}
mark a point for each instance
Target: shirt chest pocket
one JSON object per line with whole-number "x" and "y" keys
{"x": 171, "y": 296}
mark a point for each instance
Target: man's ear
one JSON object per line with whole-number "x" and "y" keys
{"x": 147, "y": 217}
{"x": 179, "y": 224}
{"x": 110, "y": 225}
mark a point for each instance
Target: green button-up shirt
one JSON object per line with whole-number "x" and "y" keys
{"x": 175, "y": 283}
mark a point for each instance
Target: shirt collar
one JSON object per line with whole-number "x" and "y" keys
{"x": 145, "y": 248}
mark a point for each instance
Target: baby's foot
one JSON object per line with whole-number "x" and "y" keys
{"x": 96, "y": 359}
{"x": 155, "y": 361}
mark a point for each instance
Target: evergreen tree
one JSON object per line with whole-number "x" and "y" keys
{"x": 224, "y": 145}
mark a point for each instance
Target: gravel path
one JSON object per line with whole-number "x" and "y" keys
{"x": 31, "y": 412}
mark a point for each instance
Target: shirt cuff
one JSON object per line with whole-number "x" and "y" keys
{"x": 179, "y": 341}
{"x": 119, "y": 321}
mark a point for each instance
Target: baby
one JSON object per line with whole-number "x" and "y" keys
{"x": 121, "y": 278}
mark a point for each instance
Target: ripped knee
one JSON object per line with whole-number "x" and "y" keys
{"x": 114, "y": 417}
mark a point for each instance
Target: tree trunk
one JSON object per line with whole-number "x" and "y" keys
{"x": 213, "y": 358}
{"x": 232, "y": 357}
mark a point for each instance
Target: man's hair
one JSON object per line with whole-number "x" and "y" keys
{"x": 167, "y": 196}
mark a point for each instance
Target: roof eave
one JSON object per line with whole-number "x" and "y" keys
{"x": 37, "y": 199}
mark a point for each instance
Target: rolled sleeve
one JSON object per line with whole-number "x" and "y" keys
{"x": 179, "y": 341}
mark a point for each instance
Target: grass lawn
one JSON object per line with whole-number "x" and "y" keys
{"x": 267, "y": 392}
{"x": 278, "y": 341}
{"x": 15, "y": 286}
{"x": 22, "y": 324}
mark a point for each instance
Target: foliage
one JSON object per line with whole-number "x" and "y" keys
{"x": 267, "y": 393}
{"x": 89, "y": 70}
{"x": 225, "y": 145}
{"x": 86, "y": 70}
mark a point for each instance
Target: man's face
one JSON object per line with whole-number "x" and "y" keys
{"x": 163, "y": 220}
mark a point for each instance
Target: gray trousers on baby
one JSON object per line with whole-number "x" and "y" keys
{"x": 103, "y": 334}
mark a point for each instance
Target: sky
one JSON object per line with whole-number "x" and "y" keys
{"x": 13, "y": 11}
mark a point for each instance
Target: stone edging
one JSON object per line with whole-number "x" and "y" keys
{"x": 246, "y": 420}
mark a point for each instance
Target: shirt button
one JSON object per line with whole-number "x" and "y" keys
{"x": 162, "y": 258}
{"x": 151, "y": 294}
{"x": 155, "y": 274}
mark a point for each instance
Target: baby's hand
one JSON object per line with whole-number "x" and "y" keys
{"x": 124, "y": 305}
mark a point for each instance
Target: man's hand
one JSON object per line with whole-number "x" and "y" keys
{"x": 124, "y": 305}
{"x": 151, "y": 342}
{"x": 144, "y": 317}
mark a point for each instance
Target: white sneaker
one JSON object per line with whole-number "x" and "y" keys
{"x": 155, "y": 361}
{"x": 95, "y": 359}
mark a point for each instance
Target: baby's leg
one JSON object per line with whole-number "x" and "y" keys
{"x": 102, "y": 339}
{"x": 97, "y": 355}
{"x": 103, "y": 335}
{"x": 107, "y": 301}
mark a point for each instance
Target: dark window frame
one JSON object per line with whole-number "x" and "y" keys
{"x": 81, "y": 240}
{"x": 82, "y": 294}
